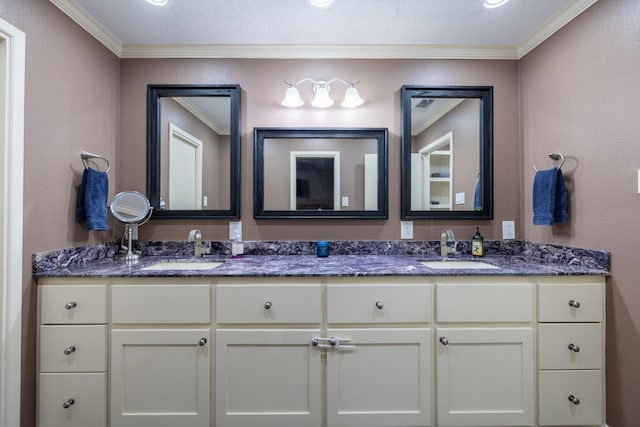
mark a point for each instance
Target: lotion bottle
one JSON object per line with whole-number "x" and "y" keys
{"x": 477, "y": 244}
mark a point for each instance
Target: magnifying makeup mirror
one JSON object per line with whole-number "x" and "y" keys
{"x": 130, "y": 208}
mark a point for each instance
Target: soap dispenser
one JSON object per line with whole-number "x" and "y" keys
{"x": 477, "y": 244}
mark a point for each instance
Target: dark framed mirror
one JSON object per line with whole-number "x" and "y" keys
{"x": 193, "y": 151}
{"x": 320, "y": 173}
{"x": 447, "y": 152}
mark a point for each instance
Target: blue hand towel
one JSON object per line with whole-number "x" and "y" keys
{"x": 549, "y": 197}
{"x": 92, "y": 199}
{"x": 477, "y": 197}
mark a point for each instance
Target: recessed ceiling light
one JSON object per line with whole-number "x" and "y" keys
{"x": 321, "y": 3}
{"x": 494, "y": 3}
{"x": 157, "y": 2}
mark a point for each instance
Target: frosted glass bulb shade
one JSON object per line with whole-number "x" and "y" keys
{"x": 292, "y": 98}
{"x": 322, "y": 98}
{"x": 352, "y": 98}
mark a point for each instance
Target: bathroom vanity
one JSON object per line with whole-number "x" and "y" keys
{"x": 251, "y": 343}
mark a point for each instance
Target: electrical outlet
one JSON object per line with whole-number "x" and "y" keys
{"x": 460, "y": 198}
{"x": 345, "y": 201}
{"x": 235, "y": 230}
{"x": 406, "y": 229}
{"x": 508, "y": 230}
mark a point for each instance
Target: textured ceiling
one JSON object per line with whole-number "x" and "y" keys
{"x": 457, "y": 23}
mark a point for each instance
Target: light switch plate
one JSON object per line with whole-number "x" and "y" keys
{"x": 508, "y": 230}
{"x": 406, "y": 229}
{"x": 345, "y": 201}
{"x": 460, "y": 198}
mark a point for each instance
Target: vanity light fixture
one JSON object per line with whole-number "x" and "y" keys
{"x": 322, "y": 94}
{"x": 157, "y": 2}
{"x": 490, "y": 4}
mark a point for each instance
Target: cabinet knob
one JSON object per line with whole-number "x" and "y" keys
{"x": 68, "y": 403}
{"x": 69, "y": 350}
{"x": 315, "y": 342}
{"x": 574, "y": 399}
{"x": 574, "y": 348}
{"x": 444, "y": 340}
{"x": 203, "y": 341}
{"x": 71, "y": 305}
{"x": 574, "y": 304}
{"x": 379, "y": 305}
{"x": 268, "y": 305}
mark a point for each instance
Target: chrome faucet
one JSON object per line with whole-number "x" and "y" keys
{"x": 200, "y": 248}
{"x": 447, "y": 243}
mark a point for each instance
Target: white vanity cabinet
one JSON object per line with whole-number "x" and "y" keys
{"x": 267, "y": 372}
{"x": 571, "y": 352}
{"x": 160, "y": 354}
{"x": 72, "y": 348}
{"x": 379, "y": 372}
{"x": 485, "y": 365}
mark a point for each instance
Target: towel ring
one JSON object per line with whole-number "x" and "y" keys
{"x": 85, "y": 155}
{"x": 554, "y": 156}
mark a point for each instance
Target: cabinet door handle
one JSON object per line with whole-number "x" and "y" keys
{"x": 444, "y": 340}
{"x": 68, "y": 403}
{"x": 268, "y": 305}
{"x": 71, "y": 305}
{"x": 69, "y": 350}
{"x": 379, "y": 305}
{"x": 203, "y": 341}
{"x": 574, "y": 399}
{"x": 574, "y": 348}
{"x": 574, "y": 304}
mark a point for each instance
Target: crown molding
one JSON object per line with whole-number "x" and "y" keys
{"x": 557, "y": 22}
{"x": 90, "y": 25}
{"x": 286, "y": 51}
{"x": 319, "y": 51}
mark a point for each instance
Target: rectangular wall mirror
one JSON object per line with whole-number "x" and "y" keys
{"x": 193, "y": 150}
{"x": 447, "y": 152}
{"x": 320, "y": 173}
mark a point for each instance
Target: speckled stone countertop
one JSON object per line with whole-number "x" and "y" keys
{"x": 346, "y": 259}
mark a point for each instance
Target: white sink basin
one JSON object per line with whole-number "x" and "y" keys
{"x": 458, "y": 265}
{"x": 183, "y": 265}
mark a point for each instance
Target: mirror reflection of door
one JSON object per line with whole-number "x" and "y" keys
{"x": 315, "y": 180}
{"x": 185, "y": 170}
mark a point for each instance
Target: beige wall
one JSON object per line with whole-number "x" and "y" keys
{"x": 71, "y": 104}
{"x": 575, "y": 93}
{"x": 579, "y": 95}
{"x": 263, "y": 89}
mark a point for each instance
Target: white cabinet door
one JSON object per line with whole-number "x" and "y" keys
{"x": 72, "y": 400}
{"x": 485, "y": 376}
{"x": 268, "y": 378}
{"x": 160, "y": 377}
{"x": 385, "y": 381}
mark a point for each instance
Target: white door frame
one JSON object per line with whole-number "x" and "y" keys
{"x": 11, "y": 219}
{"x": 177, "y": 135}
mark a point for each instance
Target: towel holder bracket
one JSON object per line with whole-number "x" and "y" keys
{"x": 85, "y": 155}
{"x": 555, "y": 156}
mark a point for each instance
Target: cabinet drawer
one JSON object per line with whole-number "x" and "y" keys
{"x": 81, "y": 348}
{"x": 61, "y": 304}
{"x": 378, "y": 303}
{"x": 557, "y": 345}
{"x": 89, "y": 396}
{"x": 554, "y": 389}
{"x": 155, "y": 304}
{"x": 504, "y": 302}
{"x": 299, "y": 303}
{"x": 580, "y": 302}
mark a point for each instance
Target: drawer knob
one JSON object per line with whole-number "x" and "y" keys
{"x": 574, "y": 348}
{"x": 574, "y": 304}
{"x": 379, "y": 305}
{"x": 444, "y": 340}
{"x": 71, "y": 305}
{"x": 315, "y": 342}
{"x": 268, "y": 305}
{"x": 69, "y": 350}
{"x": 203, "y": 341}
{"x": 574, "y": 399}
{"x": 68, "y": 403}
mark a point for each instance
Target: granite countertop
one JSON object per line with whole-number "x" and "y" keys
{"x": 348, "y": 259}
